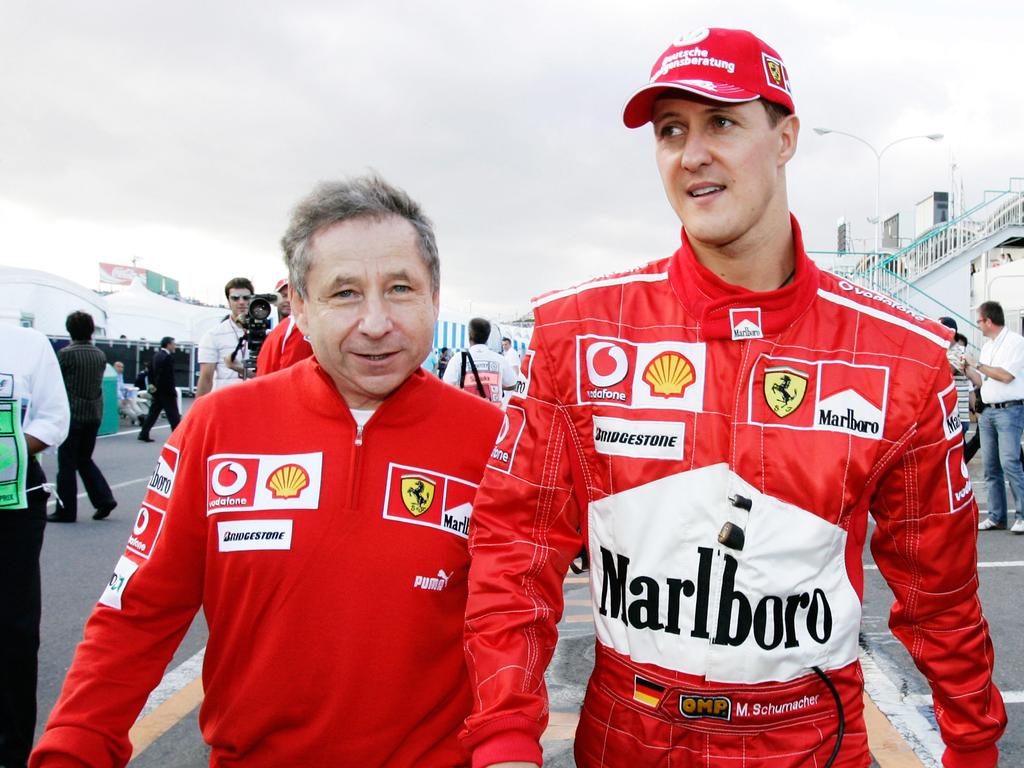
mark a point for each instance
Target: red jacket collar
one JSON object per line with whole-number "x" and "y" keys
{"x": 709, "y": 298}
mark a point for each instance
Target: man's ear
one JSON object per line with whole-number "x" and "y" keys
{"x": 299, "y": 311}
{"x": 789, "y": 132}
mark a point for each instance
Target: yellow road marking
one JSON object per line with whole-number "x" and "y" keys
{"x": 166, "y": 716}
{"x": 578, "y": 618}
{"x": 561, "y": 727}
{"x": 580, "y": 601}
{"x": 889, "y": 749}
{"x": 577, "y": 580}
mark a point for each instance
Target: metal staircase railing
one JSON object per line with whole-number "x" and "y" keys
{"x": 894, "y": 274}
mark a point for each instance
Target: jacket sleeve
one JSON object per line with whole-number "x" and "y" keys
{"x": 925, "y": 547}
{"x": 524, "y": 532}
{"x": 142, "y": 615}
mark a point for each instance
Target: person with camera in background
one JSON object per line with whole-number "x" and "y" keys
{"x": 161, "y": 388}
{"x": 222, "y": 350}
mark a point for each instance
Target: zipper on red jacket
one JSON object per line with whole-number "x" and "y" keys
{"x": 353, "y": 466}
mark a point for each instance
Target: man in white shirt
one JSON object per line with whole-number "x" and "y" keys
{"x": 34, "y": 415}
{"x": 1000, "y": 374}
{"x": 480, "y": 370}
{"x": 510, "y": 354}
{"x": 222, "y": 352}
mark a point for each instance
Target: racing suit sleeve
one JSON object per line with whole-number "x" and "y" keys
{"x": 141, "y": 617}
{"x": 524, "y": 532}
{"x": 924, "y": 545}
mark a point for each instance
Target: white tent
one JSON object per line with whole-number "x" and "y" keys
{"x": 44, "y": 300}
{"x": 138, "y": 313}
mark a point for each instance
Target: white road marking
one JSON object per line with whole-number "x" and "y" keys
{"x": 52, "y": 503}
{"x": 902, "y": 713}
{"x": 174, "y": 681}
{"x": 925, "y": 699}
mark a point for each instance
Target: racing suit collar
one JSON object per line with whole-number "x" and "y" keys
{"x": 709, "y": 298}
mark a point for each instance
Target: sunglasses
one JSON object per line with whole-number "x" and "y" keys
{"x": 246, "y": 297}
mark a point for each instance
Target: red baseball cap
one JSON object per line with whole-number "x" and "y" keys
{"x": 282, "y": 283}
{"x": 730, "y": 65}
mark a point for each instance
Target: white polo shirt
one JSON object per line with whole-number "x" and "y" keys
{"x": 216, "y": 345}
{"x": 1005, "y": 351}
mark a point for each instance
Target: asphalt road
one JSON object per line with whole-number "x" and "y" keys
{"x": 77, "y": 562}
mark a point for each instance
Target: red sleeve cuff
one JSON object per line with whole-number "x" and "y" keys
{"x": 507, "y": 747}
{"x": 986, "y": 757}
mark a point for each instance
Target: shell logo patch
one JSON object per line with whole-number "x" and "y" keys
{"x": 288, "y": 481}
{"x": 669, "y": 374}
{"x": 417, "y": 493}
{"x": 784, "y": 389}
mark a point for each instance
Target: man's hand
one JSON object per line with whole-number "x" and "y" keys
{"x": 235, "y": 365}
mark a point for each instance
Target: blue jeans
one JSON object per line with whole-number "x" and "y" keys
{"x": 1000, "y": 451}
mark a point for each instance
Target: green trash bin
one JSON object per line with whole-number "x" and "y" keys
{"x": 111, "y": 419}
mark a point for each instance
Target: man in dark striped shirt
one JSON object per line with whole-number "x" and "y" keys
{"x": 82, "y": 365}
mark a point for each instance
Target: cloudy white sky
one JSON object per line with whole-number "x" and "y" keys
{"x": 182, "y": 133}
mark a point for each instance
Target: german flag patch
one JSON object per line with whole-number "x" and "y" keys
{"x": 647, "y": 692}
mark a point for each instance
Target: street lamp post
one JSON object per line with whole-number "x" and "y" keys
{"x": 878, "y": 165}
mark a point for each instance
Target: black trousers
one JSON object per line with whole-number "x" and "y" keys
{"x": 75, "y": 456}
{"x": 162, "y": 401}
{"x": 21, "y": 540}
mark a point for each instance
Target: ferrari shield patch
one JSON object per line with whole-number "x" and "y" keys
{"x": 417, "y": 493}
{"x": 784, "y": 389}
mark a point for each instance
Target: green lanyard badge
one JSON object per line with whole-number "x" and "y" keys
{"x": 13, "y": 457}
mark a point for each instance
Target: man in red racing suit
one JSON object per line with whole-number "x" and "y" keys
{"x": 717, "y": 444}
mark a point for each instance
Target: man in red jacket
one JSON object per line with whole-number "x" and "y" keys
{"x": 326, "y": 542}
{"x": 716, "y": 427}
{"x": 285, "y": 345}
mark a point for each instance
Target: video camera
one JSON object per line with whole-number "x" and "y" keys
{"x": 256, "y": 323}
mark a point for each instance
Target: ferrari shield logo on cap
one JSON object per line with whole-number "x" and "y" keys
{"x": 417, "y": 493}
{"x": 784, "y": 389}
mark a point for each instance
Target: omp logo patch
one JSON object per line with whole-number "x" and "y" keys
{"x": 253, "y": 535}
{"x": 447, "y": 508}
{"x": 507, "y": 441}
{"x": 639, "y": 439}
{"x": 161, "y": 482}
{"x": 828, "y": 396}
{"x": 114, "y": 591}
{"x": 148, "y": 524}
{"x": 745, "y": 323}
{"x": 717, "y": 707}
{"x": 662, "y": 375}
{"x": 249, "y": 482}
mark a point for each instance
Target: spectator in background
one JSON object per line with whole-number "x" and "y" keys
{"x": 82, "y": 366}
{"x": 127, "y": 404}
{"x": 286, "y": 344}
{"x": 162, "y": 389}
{"x": 510, "y": 354}
{"x": 443, "y": 358}
{"x": 999, "y": 373}
{"x": 480, "y": 370}
{"x": 222, "y": 350}
{"x": 34, "y": 406}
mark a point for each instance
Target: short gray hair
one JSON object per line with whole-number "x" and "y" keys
{"x": 361, "y": 197}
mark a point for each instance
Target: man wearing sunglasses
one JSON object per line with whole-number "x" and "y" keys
{"x": 221, "y": 350}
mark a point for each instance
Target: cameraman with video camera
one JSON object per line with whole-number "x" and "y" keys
{"x": 223, "y": 351}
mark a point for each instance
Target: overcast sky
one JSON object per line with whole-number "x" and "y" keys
{"x": 183, "y": 133}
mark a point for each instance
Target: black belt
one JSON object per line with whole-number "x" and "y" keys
{"x": 1006, "y": 404}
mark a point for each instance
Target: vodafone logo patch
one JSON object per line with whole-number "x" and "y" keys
{"x": 263, "y": 482}
{"x": 148, "y": 524}
{"x": 606, "y": 364}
